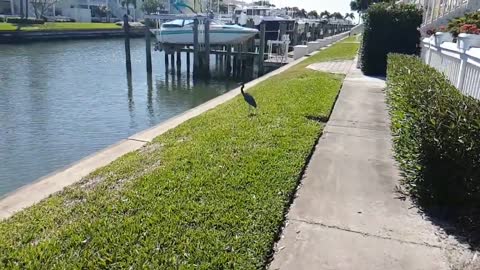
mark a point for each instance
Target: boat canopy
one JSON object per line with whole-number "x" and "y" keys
{"x": 178, "y": 23}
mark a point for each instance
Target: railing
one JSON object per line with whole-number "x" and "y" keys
{"x": 461, "y": 67}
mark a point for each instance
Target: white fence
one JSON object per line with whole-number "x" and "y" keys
{"x": 461, "y": 67}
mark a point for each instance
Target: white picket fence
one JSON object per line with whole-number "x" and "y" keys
{"x": 461, "y": 67}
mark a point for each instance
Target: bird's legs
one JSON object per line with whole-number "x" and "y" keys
{"x": 251, "y": 111}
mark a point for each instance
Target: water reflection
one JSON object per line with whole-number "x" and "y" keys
{"x": 61, "y": 101}
{"x": 150, "y": 95}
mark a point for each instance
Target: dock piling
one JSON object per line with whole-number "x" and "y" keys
{"x": 188, "y": 62}
{"x": 148, "y": 47}
{"x": 179, "y": 63}
{"x": 261, "y": 49}
{"x": 126, "y": 29}
{"x": 295, "y": 34}
{"x": 166, "y": 62}
{"x": 206, "y": 67}
{"x": 229, "y": 60}
{"x": 196, "y": 48}
{"x": 179, "y": 59}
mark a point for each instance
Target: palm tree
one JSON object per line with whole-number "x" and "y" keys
{"x": 352, "y": 16}
{"x": 337, "y": 15}
{"x": 313, "y": 14}
{"x": 349, "y": 16}
{"x": 303, "y": 13}
{"x": 325, "y": 14}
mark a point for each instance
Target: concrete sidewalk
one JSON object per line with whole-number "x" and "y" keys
{"x": 347, "y": 214}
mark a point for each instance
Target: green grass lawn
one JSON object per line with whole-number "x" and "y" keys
{"x": 60, "y": 26}
{"x": 7, "y": 27}
{"x": 209, "y": 194}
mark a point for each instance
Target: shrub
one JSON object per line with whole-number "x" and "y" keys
{"x": 455, "y": 25}
{"x": 2, "y": 19}
{"x": 25, "y": 21}
{"x": 389, "y": 28}
{"x": 436, "y": 134}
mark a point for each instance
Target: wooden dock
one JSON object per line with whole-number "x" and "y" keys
{"x": 234, "y": 59}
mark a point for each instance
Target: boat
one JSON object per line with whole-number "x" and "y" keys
{"x": 273, "y": 18}
{"x": 180, "y": 32}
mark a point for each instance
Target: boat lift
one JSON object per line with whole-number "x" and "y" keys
{"x": 278, "y": 50}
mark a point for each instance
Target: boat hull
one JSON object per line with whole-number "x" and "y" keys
{"x": 217, "y": 36}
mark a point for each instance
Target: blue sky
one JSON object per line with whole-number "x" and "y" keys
{"x": 341, "y": 6}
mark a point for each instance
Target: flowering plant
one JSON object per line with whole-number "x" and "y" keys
{"x": 431, "y": 31}
{"x": 470, "y": 29}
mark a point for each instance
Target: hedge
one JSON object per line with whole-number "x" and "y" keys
{"x": 389, "y": 28}
{"x": 25, "y": 21}
{"x": 436, "y": 134}
{"x": 209, "y": 194}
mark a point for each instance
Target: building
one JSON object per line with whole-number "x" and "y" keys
{"x": 439, "y": 12}
{"x": 79, "y": 10}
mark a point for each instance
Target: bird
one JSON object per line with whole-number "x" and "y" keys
{"x": 248, "y": 98}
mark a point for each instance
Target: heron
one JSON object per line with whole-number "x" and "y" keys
{"x": 248, "y": 98}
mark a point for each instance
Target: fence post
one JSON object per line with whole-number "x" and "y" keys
{"x": 463, "y": 67}
{"x": 429, "y": 56}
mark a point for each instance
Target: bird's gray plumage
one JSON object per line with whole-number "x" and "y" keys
{"x": 248, "y": 98}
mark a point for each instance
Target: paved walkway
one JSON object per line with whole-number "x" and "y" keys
{"x": 337, "y": 67}
{"x": 347, "y": 214}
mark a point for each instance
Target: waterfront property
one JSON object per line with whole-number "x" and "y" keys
{"x": 62, "y": 101}
{"x": 78, "y": 10}
{"x": 211, "y": 192}
{"x": 64, "y": 26}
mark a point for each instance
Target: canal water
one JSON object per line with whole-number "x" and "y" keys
{"x": 61, "y": 101}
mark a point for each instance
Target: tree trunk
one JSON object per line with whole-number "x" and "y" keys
{"x": 26, "y": 8}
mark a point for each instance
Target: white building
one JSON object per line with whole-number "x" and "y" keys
{"x": 439, "y": 12}
{"x": 79, "y": 10}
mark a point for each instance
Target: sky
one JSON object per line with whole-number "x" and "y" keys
{"x": 341, "y": 6}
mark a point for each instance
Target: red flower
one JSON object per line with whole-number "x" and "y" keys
{"x": 470, "y": 29}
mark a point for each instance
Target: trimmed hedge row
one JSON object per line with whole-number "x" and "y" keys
{"x": 436, "y": 134}
{"x": 389, "y": 29}
{"x": 25, "y": 21}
